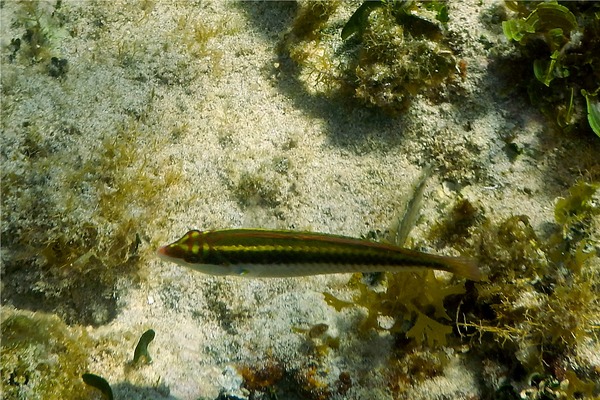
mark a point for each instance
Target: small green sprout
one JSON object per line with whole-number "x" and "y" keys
{"x": 358, "y": 20}
{"x": 141, "y": 350}
{"x": 99, "y": 383}
{"x": 593, "y": 111}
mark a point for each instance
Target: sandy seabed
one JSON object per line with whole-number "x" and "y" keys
{"x": 193, "y": 99}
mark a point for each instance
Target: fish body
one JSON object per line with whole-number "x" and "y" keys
{"x": 279, "y": 253}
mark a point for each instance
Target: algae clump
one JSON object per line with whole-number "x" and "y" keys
{"x": 42, "y": 358}
{"x": 541, "y": 302}
{"x": 388, "y": 51}
{"x": 413, "y": 301}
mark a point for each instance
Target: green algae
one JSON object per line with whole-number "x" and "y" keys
{"x": 413, "y": 301}
{"x": 358, "y": 20}
{"x": 390, "y": 51}
{"x": 43, "y": 31}
{"x": 99, "y": 383}
{"x": 541, "y": 302}
{"x": 559, "y": 42}
{"x": 85, "y": 221}
{"x": 593, "y": 111}
{"x": 538, "y": 304}
{"x": 42, "y": 358}
{"x": 77, "y": 174}
{"x": 141, "y": 353}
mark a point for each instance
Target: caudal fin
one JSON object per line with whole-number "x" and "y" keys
{"x": 464, "y": 266}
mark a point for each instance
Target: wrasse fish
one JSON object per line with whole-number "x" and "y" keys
{"x": 276, "y": 253}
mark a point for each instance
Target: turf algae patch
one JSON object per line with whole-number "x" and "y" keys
{"x": 78, "y": 225}
{"x": 42, "y": 358}
{"x": 80, "y": 175}
{"x": 540, "y": 303}
{"x": 386, "y": 53}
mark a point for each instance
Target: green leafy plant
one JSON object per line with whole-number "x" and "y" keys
{"x": 561, "y": 42}
{"x": 593, "y": 111}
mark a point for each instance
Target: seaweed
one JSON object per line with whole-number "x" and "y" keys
{"x": 560, "y": 41}
{"x": 413, "y": 301}
{"x": 593, "y": 110}
{"x": 41, "y": 357}
{"x": 389, "y": 51}
{"x": 541, "y": 301}
{"x": 359, "y": 19}
{"x": 263, "y": 378}
{"x": 99, "y": 383}
{"x": 141, "y": 349}
{"x": 318, "y": 340}
{"x": 268, "y": 186}
{"x": 271, "y": 377}
{"x": 74, "y": 225}
{"x": 456, "y": 228}
{"x": 43, "y": 31}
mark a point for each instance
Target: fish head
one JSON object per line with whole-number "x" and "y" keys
{"x": 192, "y": 251}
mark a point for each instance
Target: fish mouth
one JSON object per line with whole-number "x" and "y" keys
{"x": 163, "y": 253}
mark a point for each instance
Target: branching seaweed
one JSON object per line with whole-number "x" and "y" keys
{"x": 541, "y": 302}
{"x": 414, "y": 301}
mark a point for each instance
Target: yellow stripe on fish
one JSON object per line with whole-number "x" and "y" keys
{"x": 278, "y": 253}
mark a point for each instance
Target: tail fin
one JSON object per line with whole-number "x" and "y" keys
{"x": 464, "y": 266}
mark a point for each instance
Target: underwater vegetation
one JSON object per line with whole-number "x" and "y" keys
{"x": 535, "y": 313}
{"x": 77, "y": 200}
{"x": 273, "y": 380}
{"x": 43, "y": 30}
{"x": 560, "y": 40}
{"x": 141, "y": 354}
{"x": 99, "y": 383}
{"x": 42, "y": 358}
{"x": 386, "y": 52}
{"x": 412, "y": 307}
{"x": 84, "y": 222}
{"x": 415, "y": 301}
{"x": 541, "y": 303}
